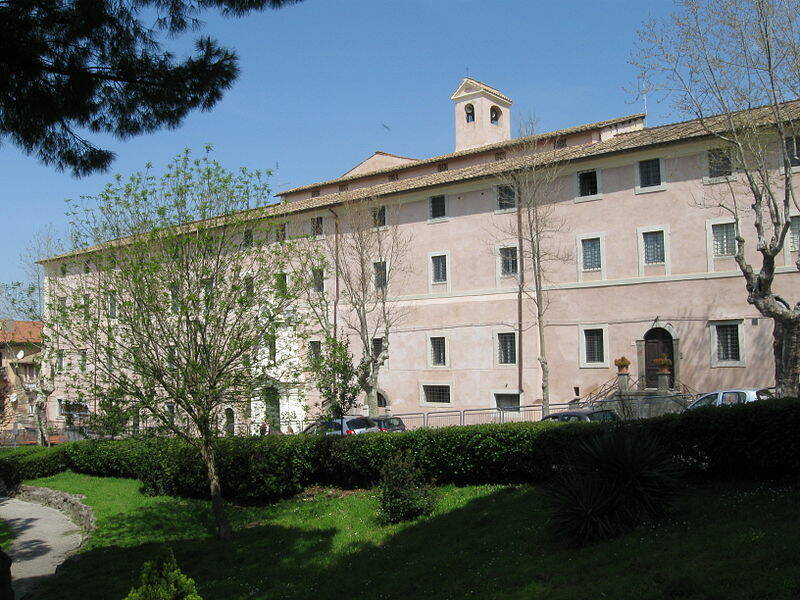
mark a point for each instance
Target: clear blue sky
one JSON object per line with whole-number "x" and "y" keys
{"x": 320, "y": 79}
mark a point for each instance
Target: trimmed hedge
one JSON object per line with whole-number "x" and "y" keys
{"x": 753, "y": 441}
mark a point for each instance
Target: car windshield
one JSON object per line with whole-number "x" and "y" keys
{"x": 603, "y": 415}
{"x": 360, "y": 423}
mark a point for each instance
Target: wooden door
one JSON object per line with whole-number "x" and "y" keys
{"x": 657, "y": 342}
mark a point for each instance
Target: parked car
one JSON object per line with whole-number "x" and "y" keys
{"x": 730, "y": 397}
{"x": 390, "y": 424}
{"x": 585, "y": 414}
{"x": 347, "y": 425}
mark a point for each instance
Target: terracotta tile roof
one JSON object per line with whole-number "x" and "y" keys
{"x": 479, "y": 150}
{"x": 625, "y": 142}
{"x": 20, "y": 332}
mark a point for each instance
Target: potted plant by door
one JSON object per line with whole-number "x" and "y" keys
{"x": 663, "y": 363}
{"x": 622, "y": 364}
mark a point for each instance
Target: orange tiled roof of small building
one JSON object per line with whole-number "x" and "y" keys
{"x": 20, "y": 332}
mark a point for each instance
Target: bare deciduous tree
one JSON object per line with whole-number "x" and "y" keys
{"x": 735, "y": 66}
{"x": 532, "y": 190}
{"x": 169, "y": 318}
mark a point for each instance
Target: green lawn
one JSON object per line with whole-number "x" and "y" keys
{"x": 6, "y": 536}
{"x": 731, "y": 542}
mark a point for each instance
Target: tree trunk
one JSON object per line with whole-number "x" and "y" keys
{"x": 223, "y": 527}
{"x": 372, "y": 401}
{"x": 786, "y": 348}
{"x": 543, "y": 361}
{"x": 44, "y": 439}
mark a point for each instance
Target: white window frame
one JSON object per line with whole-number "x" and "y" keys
{"x": 653, "y": 188}
{"x": 446, "y": 216}
{"x": 707, "y": 179}
{"x": 787, "y": 245}
{"x": 429, "y": 348}
{"x": 579, "y": 253}
{"x": 312, "y": 341}
{"x": 582, "y": 347}
{"x": 640, "y": 231}
{"x": 710, "y": 257}
{"x": 499, "y": 277}
{"x": 715, "y": 362}
{"x": 438, "y": 286}
{"x": 577, "y": 186}
{"x": 496, "y": 348}
{"x": 493, "y": 399}
{"x": 503, "y": 211}
{"x": 422, "y": 401}
{"x": 316, "y": 236}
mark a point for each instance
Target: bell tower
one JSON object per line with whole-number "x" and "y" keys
{"x": 482, "y": 113}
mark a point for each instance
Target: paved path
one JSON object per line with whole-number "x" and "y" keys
{"x": 43, "y": 537}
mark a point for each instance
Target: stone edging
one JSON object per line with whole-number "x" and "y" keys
{"x": 69, "y": 504}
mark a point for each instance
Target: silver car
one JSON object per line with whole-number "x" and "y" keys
{"x": 347, "y": 425}
{"x": 730, "y": 397}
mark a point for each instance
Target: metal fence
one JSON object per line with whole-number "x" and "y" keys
{"x": 478, "y": 416}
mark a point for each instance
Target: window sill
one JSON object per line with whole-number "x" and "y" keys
{"x": 732, "y": 364}
{"x": 593, "y": 197}
{"x": 438, "y": 220}
{"x": 439, "y": 367}
{"x": 505, "y": 211}
{"x": 436, "y": 404}
{"x": 654, "y": 264}
{"x": 594, "y": 366}
{"x": 722, "y": 179}
{"x": 650, "y": 189}
{"x": 598, "y": 270}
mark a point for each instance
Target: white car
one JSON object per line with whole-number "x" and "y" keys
{"x": 730, "y": 397}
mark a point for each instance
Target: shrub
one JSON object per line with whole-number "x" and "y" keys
{"x": 161, "y": 579}
{"x": 402, "y": 492}
{"x": 31, "y": 462}
{"x": 610, "y": 483}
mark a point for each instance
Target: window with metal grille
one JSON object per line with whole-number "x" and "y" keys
{"x": 439, "y": 394}
{"x": 439, "y": 268}
{"x": 247, "y": 238}
{"x": 559, "y": 143}
{"x": 315, "y": 350}
{"x": 728, "y": 342}
{"x": 316, "y": 226}
{"x": 438, "y": 352}
{"x": 649, "y": 172}
{"x": 438, "y": 207}
{"x": 379, "y": 216}
{"x": 593, "y": 345}
{"x": 507, "y": 348}
{"x": 792, "y": 145}
{"x": 380, "y": 274}
{"x": 249, "y": 287}
{"x": 343, "y": 187}
{"x": 508, "y": 261}
{"x": 441, "y": 167}
{"x": 280, "y": 232}
{"x": 319, "y": 279}
{"x": 506, "y": 197}
{"x": 393, "y": 177}
{"x": 314, "y": 193}
{"x": 590, "y": 252}
{"x": 281, "y": 283}
{"x": 587, "y": 183}
{"x": 509, "y": 402}
{"x": 112, "y": 305}
{"x": 59, "y": 360}
{"x": 720, "y": 163}
{"x": 653, "y": 247}
{"x": 794, "y": 235}
{"x": 377, "y": 346}
{"x": 724, "y": 239}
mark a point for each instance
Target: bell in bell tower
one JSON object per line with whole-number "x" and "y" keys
{"x": 482, "y": 113}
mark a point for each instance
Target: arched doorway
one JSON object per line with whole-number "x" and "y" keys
{"x": 657, "y": 342}
{"x": 230, "y": 426}
{"x": 381, "y": 400}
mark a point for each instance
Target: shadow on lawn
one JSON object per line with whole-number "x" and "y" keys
{"x": 466, "y": 552}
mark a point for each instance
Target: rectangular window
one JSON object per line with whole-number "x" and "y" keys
{"x": 508, "y": 261}
{"x": 438, "y": 207}
{"x": 507, "y": 348}
{"x": 280, "y": 232}
{"x": 247, "y": 238}
{"x": 720, "y": 163}
{"x": 318, "y": 275}
{"x": 174, "y": 297}
{"x": 653, "y": 247}
{"x": 343, "y": 187}
{"x": 439, "y": 394}
{"x": 728, "y": 343}
{"x": 509, "y": 402}
{"x": 249, "y": 288}
{"x": 59, "y": 360}
{"x": 792, "y": 145}
{"x": 724, "y": 239}
{"x": 112, "y": 305}
{"x": 82, "y": 360}
{"x": 377, "y": 346}
{"x": 590, "y": 253}
{"x": 649, "y": 172}
{"x": 315, "y": 350}
{"x": 506, "y": 197}
{"x": 441, "y": 167}
{"x": 438, "y": 352}
{"x": 272, "y": 346}
{"x": 316, "y": 226}
{"x": 794, "y": 235}
{"x": 379, "y": 216}
{"x": 281, "y": 283}
{"x": 439, "y": 268}
{"x": 593, "y": 345}
{"x": 315, "y": 193}
{"x": 587, "y": 183}
{"x": 109, "y": 360}
{"x": 380, "y": 274}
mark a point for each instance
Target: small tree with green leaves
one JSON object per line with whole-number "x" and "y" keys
{"x": 161, "y": 579}
{"x": 336, "y": 377}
